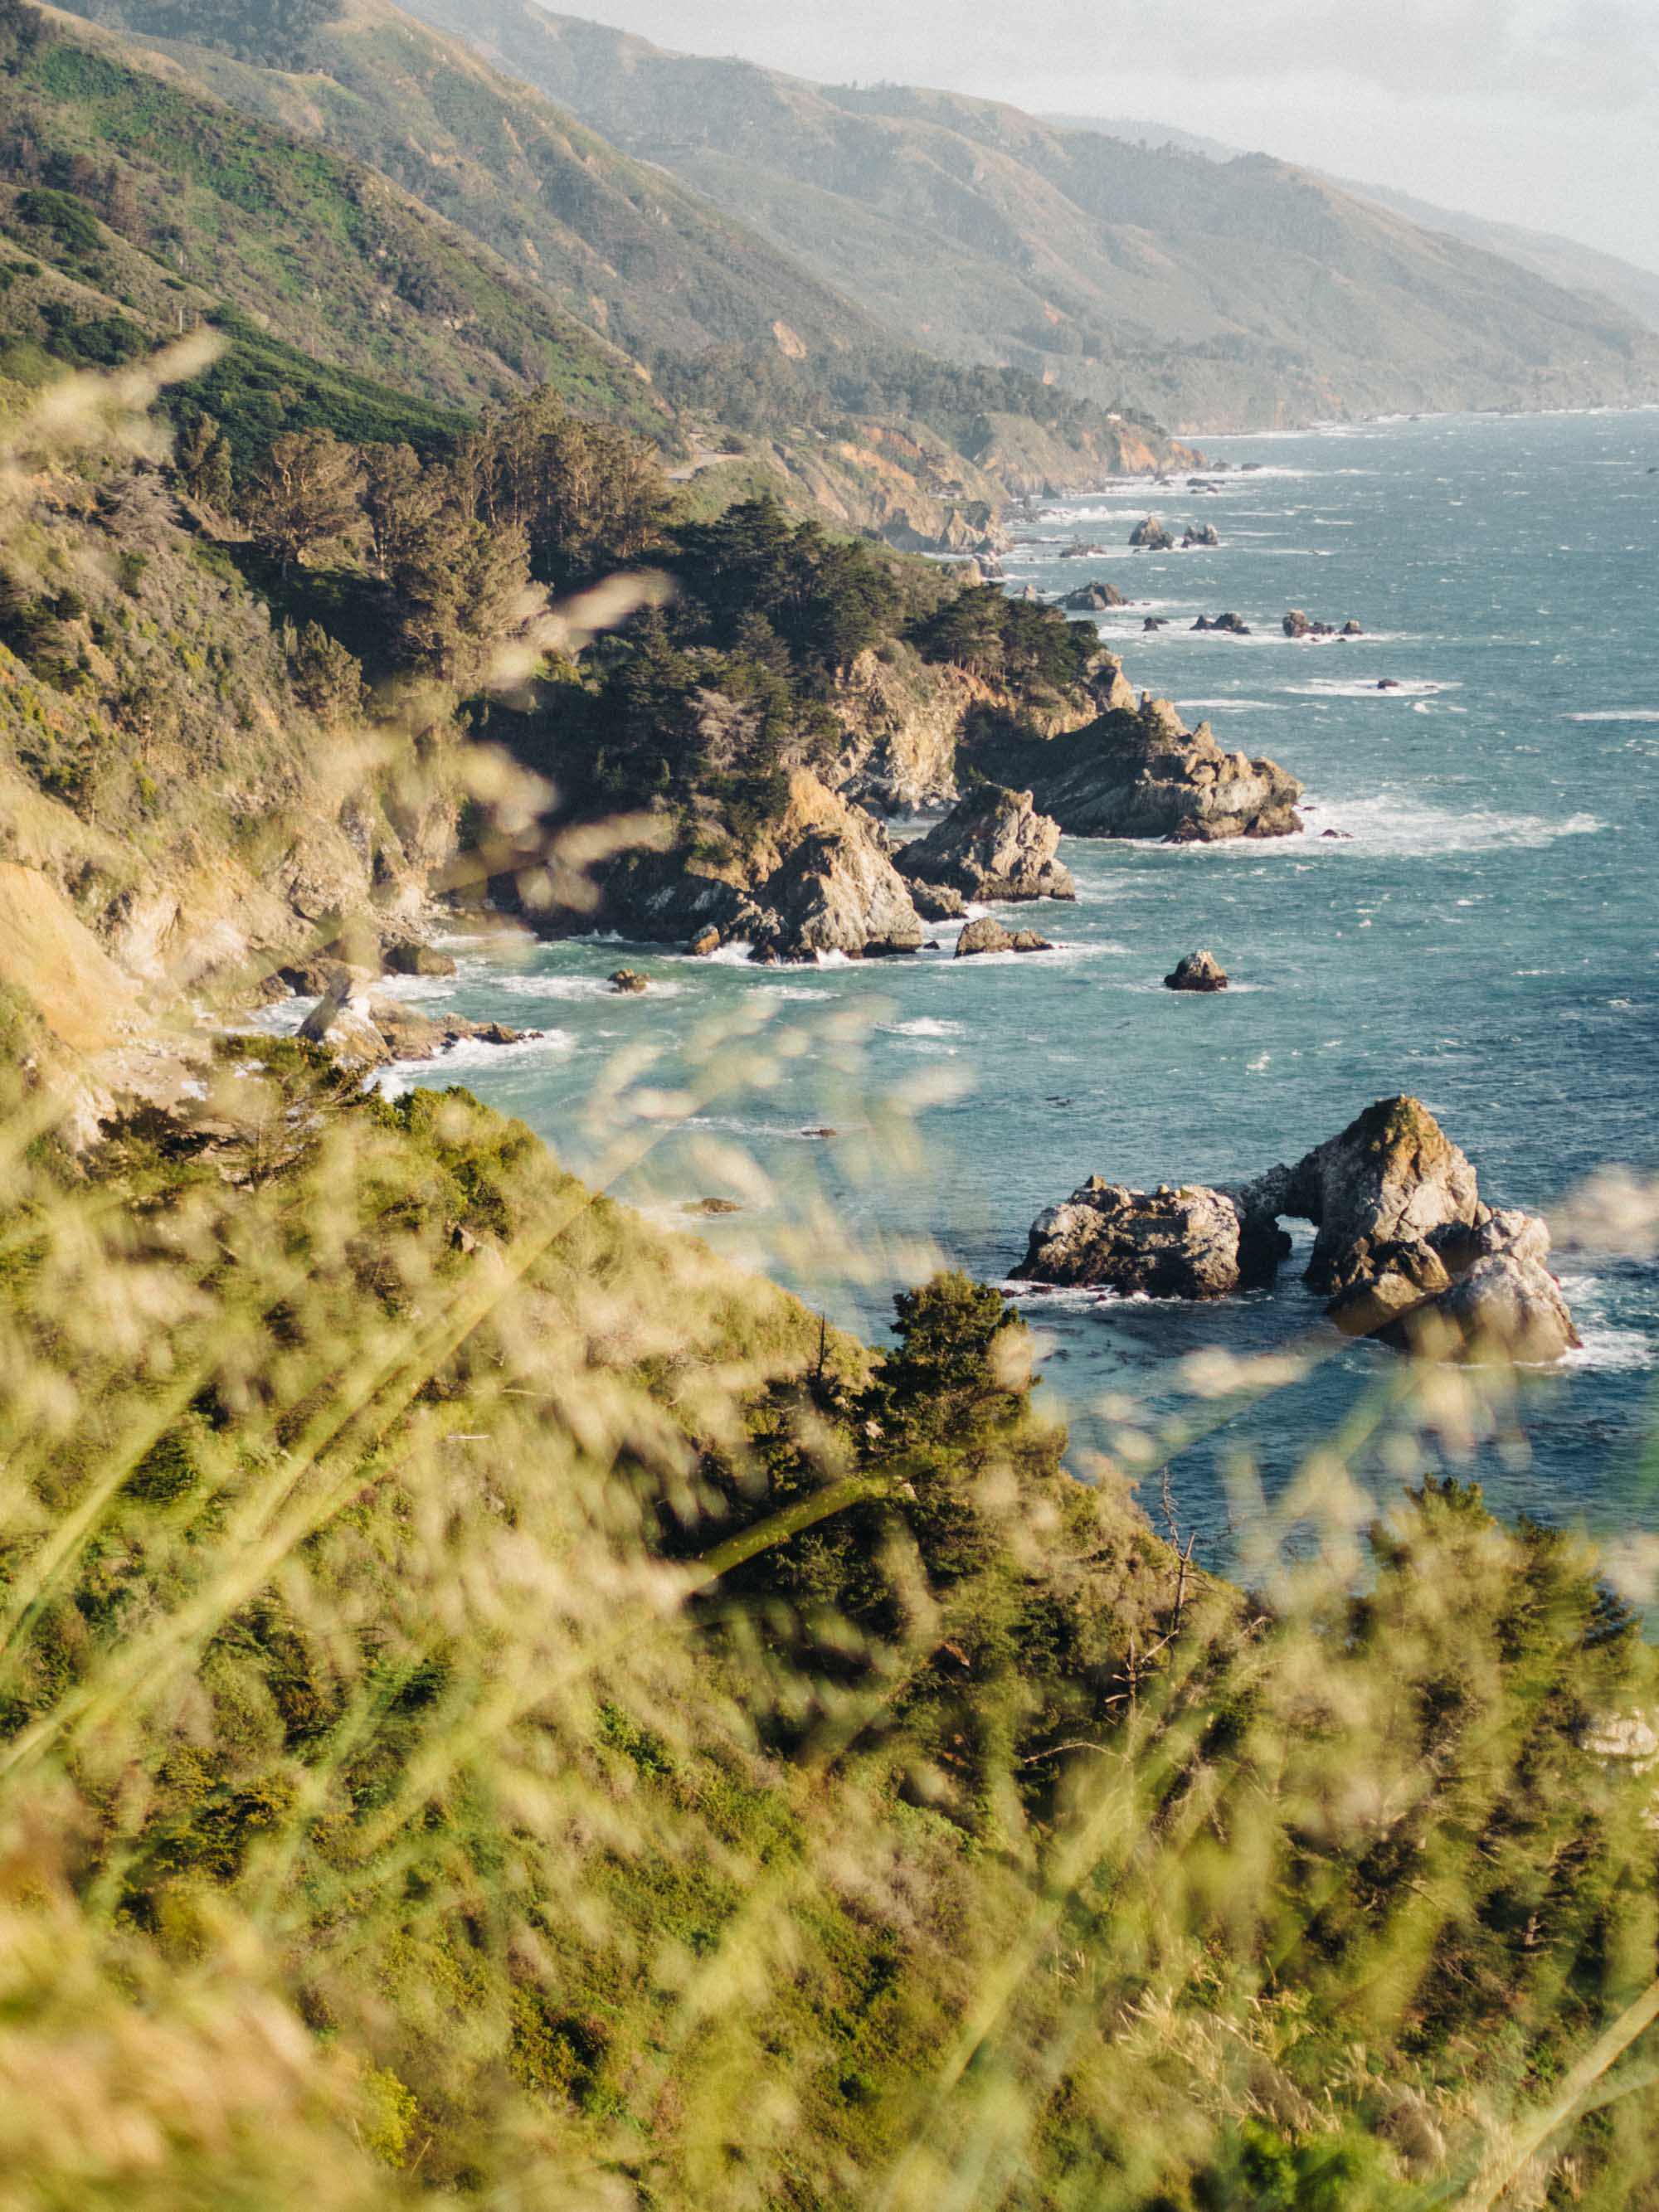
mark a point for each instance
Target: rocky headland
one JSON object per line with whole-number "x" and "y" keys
{"x": 1405, "y": 1249}
{"x": 1138, "y": 771}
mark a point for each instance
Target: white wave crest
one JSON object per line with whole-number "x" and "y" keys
{"x": 1392, "y": 823}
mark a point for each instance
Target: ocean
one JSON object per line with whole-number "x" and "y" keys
{"x": 1484, "y": 934}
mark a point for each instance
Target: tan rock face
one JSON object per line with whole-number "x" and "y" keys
{"x": 1168, "y": 1243}
{"x": 49, "y": 954}
{"x": 1145, "y": 773}
{"x": 902, "y": 721}
{"x": 1392, "y": 1177}
{"x": 992, "y": 845}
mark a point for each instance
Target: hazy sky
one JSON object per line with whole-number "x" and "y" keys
{"x": 1539, "y": 112}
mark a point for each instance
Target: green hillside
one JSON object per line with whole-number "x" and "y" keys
{"x": 615, "y": 242}
{"x": 201, "y": 209}
{"x": 1222, "y": 295}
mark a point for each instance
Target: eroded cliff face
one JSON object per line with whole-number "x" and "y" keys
{"x": 903, "y": 720}
{"x": 161, "y": 768}
{"x": 819, "y": 879}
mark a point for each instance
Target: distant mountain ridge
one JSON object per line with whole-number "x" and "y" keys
{"x": 397, "y": 237}
{"x": 1257, "y": 295}
{"x": 1567, "y": 262}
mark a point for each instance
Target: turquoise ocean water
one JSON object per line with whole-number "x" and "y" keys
{"x": 1486, "y": 936}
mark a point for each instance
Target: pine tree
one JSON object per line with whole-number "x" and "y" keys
{"x": 203, "y": 460}
{"x": 302, "y": 494}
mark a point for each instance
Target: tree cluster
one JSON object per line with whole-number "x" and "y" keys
{"x": 453, "y": 541}
{"x": 1010, "y": 641}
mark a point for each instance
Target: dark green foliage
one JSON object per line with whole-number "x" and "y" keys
{"x": 260, "y": 386}
{"x": 588, "y": 496}
{"x": 274, "y": 31}
{"x": 69, "y": 224}
{"x": 326, "y": 677}
{"x": 758, "y": 389}
{"x": 826, "y": 598}
{"x": 1007, "y": 640}
{"x": 22, "y": 31}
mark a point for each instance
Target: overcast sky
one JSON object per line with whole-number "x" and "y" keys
{"x": 1539, "y": 112}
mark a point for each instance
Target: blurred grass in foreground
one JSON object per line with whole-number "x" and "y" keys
{"x": 498, "y": 1708}
{"x": 496, "y": 1704}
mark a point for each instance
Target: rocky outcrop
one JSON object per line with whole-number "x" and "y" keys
{"x": 1199, "y": 533}
{"x": 937, "y": 901}
{"x": 1095, "y": 598}
{"x": 364, "y": 1032}
{"x": 1405, "y": 1249}
{"x": 1506, "y": 1306}
{"x": 992, "y": 845}
{"x": 987, "y": 934}
{"x": 838, "y": 891}
{"x": 1298, "y": 624}
{"x": 1230, "y": 624}
{"x": 1392, "y": 1177}
{"x": 1140, "y": 772}
{"x": 1196, "y": 971}
{"x": 1173, "y": 1242}
{"x": 1151, "y": 537}
{"x": 408, "y": 956}
{"x": 629, "y": 982}
{"x": 819, "y": 879}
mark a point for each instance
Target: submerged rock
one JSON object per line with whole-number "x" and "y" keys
{"x": 1196, "y": 971}
{"x": 629, "y": 980}
{"x": 1151, "y": 537}
{"x": 1142, "y": 773}
{"x": 1233, "y": 625}
{"x": 992, "y": 845}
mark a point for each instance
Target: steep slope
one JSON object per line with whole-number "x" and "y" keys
{"x": 547, "y": 248}
{"x": 311, "y": 247}
{"x": 619, "y": 245}
{"x": 1567, "y": 262}
{"x": 988, "y": 235}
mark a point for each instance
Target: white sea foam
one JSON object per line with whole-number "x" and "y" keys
{"x": 1617, "y": 715}
{"x": 468, "y": 1053}
{"x": 1332, "y": 687}
{"x": 925, "y": 1026}
{"x": 1232, "y": 706}
{"x": 282, "y": 1018}
{"x": 551, "y": 986}
{"x": 1392, "y": 823}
